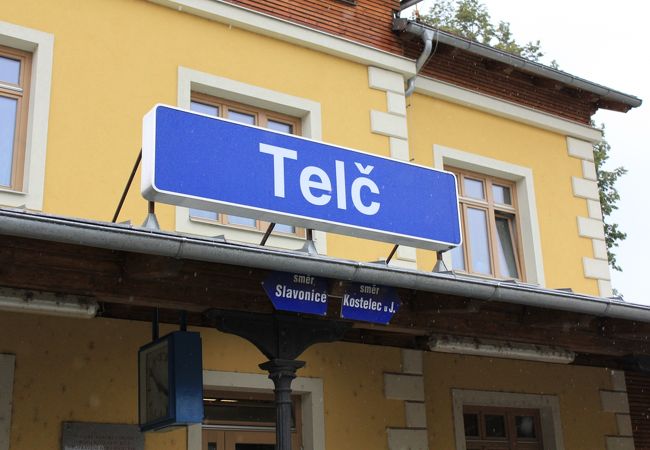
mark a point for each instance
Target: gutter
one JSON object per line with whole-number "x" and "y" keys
{"x": 153, "y": 242}
{"x": 417, "y": 29}
{"x": 427, "y": 36}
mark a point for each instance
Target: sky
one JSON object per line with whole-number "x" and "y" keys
{"x": 603, "y": 42}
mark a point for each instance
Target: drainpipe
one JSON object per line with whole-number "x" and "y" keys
{"x": 427, "y": 36}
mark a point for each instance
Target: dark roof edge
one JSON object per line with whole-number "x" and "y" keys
{"x": 133, "y": 239}
{"x": 519, "y": 62}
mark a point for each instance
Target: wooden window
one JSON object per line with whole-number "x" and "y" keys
{"x": 495, "y": 428}
{"x": 488, "y": 211}
{"x": 252, "y": 116}
{"x": 242, "y": 421}
{"x": 15, "y": 69}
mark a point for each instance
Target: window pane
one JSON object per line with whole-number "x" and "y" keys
{"x": 204, "y": 109}
{"x": 282, "y": 228}
{"x": 495, "y": 426}
{"x": 471, "y": 424}
{"x": 279, "y": 126}
{"x": 501, "y": 194}
{"x": 241, "y": 117}
{"x": 525, "y": 426}
{"x": 505, "y": 248}
{"x": 243, "y": 221}
{"x": 478, "y": 241}
{"x": 474, "y": 188}
{"x": 212, "y": 446}
{"x": 8, "y": 109}
{"x": 9, "y": 70}
{"x": 201, "y": 214}
{"x": 457, "y": 258}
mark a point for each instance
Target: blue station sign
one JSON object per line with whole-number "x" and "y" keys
{"x": 297, "y": 293}
{"x": 204, "y": 162}
{"x": 369, "y": 303}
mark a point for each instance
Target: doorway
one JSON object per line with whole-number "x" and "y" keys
{"x": 244, "y": 421}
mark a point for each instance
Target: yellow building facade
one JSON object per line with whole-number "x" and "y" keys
{"x": 97, "y": 67}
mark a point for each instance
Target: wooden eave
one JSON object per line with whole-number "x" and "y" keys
{"x": 129, "y": 285}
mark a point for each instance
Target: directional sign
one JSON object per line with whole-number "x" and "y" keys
{"x": 297, "y": 293}
{"x": 369, "y": 303}
{"x": 198, "y": 161}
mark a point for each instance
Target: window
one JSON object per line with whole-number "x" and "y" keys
{"x": 488, "y": 210}
{"x": 15, "y": 70}
{"x": 481, "y": 418}
{"x": 252, "y": 116}
{"x": 502, "y": 428}
{"x": 25, "y": 84}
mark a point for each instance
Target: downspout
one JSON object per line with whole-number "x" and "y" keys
{"x": 427, "y": 36}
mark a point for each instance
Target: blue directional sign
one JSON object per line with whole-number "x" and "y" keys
{"x": 198, "y": 161}
{"x": 297, "y": 293}
{"x": 369, "y": 303}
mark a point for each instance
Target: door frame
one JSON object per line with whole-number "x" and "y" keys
{"x": 310, "y": 391}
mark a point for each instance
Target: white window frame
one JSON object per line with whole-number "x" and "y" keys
{"x": 310, "y": 391}
{"x": 548, "y": 406}
{"x": 41, "y": 46}
{"x": 308, "y": 111}
{"x": 7, "y": 365}
{"x": 527, "y": 206}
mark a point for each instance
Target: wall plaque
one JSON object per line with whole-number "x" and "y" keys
{"x": 101, "y": 436}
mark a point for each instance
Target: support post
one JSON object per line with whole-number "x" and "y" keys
{"x": 127, "y": 187}
{"x": 281, "y": 338}
{"x": 392, "y": 253}
{"x": 282, "y": 372}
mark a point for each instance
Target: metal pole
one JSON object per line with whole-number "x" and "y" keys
{"x": 154, "y": 325}
{"x": 268, "y": 233}
{"x": 392, "y": 253}
{"x": 127, "y": 187}
{"x": 282, "y": 372}
{"x": 183, "y": 320}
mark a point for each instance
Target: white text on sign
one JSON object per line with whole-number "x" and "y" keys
{"x": 316, "y": 184}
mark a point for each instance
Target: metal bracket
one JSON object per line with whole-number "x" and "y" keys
{"x": 309, "y": 247}
{"x": 151, "y": 222}
{"x": 440, "y": 266}
{"x": 278, "y": 335}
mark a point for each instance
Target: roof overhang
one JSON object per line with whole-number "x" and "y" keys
{"x": 130, "y": 270}
{"x": 608, "y": 98}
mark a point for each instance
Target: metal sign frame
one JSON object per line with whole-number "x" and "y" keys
{"x": 443, "y": 211}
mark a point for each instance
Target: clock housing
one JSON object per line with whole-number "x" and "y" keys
{"x": 170, "y": 382}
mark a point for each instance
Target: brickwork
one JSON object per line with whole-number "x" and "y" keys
{"x": 368, "y": 22}
{"x": 500, "y": 81}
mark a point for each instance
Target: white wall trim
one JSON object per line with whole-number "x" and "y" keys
{"x": 41, "y": 45}
{"x": 257, "y": 22}
{"x": 7, "y": 366}
{"x": 308, "y": 111}
{"x": 549, "y": 406}
{"x": 523, "y": 177}
{"x": 505, "y": 109}
{"x": 309, "y": 389}
{"x": 591, "y": 227}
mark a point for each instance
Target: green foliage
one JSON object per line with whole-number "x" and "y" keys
{"x": 609, "y": 196}
{"x": 470, "y": 19}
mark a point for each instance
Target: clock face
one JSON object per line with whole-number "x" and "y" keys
{"x": 156, "y": 395}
